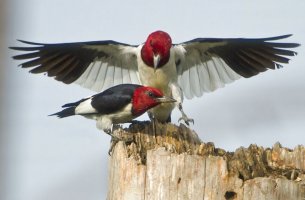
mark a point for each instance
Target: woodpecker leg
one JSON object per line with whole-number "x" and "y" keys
{"x": 113, "y": 137}
{"x": 153, "y": 121}
{"x": 114, "y": 140}
{"x": 184, "y": 117}
{"x": 178, "y": 95}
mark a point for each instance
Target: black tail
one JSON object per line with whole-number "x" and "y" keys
{"x": 75, "y": 103}
{"x": 67, "y": 112}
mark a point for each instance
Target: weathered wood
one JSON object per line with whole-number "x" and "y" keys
{"x": 175, "y": 164}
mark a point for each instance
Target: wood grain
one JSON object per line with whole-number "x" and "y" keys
{"x": 173, "y": 163}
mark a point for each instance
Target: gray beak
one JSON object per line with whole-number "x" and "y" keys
{"x": 156, "y": 61}
{"x": 165, "y": 100}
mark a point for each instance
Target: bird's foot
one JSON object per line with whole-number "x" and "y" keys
{"x": 113, "y": 142}
{"x": 115, "y": 139}
{"x": 186, "y": 119}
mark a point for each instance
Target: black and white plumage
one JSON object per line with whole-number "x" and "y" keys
{"x": 118, "y": 104}
{"x": 190, "y": 68}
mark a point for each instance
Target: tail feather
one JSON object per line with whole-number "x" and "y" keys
{"x": 74, "y": 104}
{"x": 67, "y": 112}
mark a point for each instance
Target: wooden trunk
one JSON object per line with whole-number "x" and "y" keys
{"x": 173, "y": 163}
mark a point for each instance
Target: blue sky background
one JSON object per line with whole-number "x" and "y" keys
{"x": 47, "y": 158}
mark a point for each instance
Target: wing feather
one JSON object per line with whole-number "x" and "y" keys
{"x": 195, "y": 82}
{"x": 118, "y": 78}
{"x": 84, "y": 77}
{"x": 100, "y": 78}
{"x": 109, "y": 77}
{"x": 98, "y": 82}
{"x": 93, "y": 74}
{"x": 204, "y": 78}
{"x": 205, "y": 64}
{"x": 186, "y": 84}
{"x": 126, "y": 76}
{"x": 134, "y": 76}
{"x": 254, "y": 61}
{"x": 222, "y": 73}
{"x": 84, "y": 63}
{"x": 53, "y": 67}
{"x": 215, "y": 81}
{"x": 64, "y": 74}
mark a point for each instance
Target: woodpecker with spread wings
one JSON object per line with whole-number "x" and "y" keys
{"x": 187, "y": 69}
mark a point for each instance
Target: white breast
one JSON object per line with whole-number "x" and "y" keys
{"x": 161, "y": 79}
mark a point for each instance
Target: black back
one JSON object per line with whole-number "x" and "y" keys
{"x": 114, "y": 98}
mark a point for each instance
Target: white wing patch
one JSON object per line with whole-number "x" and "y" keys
{"x": 109, "y": 77}
{"x": 117, "y": 78}
{"x": 104, "y": 73}
{"x": 126, "y": 75}
{"x": 134, "y": 75}
{"x": 184, "y": 82}
{"x": 199, "y": 72}
{"x": 100, "y": 77}
{"x": 195, "y": 81}
{"x": 207, "y": 77}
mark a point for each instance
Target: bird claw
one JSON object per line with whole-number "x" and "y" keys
{"x": 184, "y": 116}
{"x": 186, "y": 120}
{"x": 115, "y": 139}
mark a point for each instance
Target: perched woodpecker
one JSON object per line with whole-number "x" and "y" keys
{"x": 118, "y": 104}
{"x": 190, "y": 68}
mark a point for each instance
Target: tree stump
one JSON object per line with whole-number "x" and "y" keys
{"x": 173, "y": 163}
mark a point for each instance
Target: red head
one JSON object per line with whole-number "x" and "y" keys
{"x": 145, "y": 98}
{"x": 156, "y": 50}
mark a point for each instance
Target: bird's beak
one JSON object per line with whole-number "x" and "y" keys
{"x": 156, "y": 61}
{"x": 165, "y": 100}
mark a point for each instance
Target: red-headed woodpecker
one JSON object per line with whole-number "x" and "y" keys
{"x": 118, "y": 104}
{"x": 193, "y": 67}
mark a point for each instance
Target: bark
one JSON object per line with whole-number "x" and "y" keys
{"x": 173, "y": 163}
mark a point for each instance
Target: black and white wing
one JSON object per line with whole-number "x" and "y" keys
{"x": 114, "y": 99}
{"x": 205, "y": 64}
{"x": 94, "y": 65}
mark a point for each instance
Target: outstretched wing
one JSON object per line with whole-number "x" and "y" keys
{"x": 205, "y": 64}
{"x": 94, "y": 65}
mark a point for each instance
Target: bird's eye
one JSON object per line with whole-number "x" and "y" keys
{"x": 150, "y": 94}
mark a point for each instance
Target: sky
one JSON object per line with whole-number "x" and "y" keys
{"x": 47, "y": 158}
